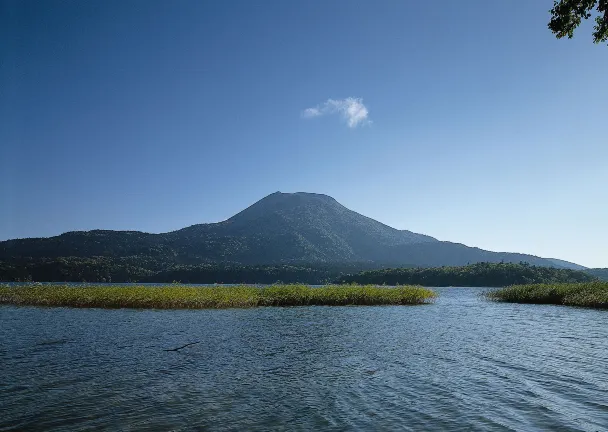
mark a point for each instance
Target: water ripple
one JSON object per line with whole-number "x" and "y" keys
{"x": 461, "y": 364}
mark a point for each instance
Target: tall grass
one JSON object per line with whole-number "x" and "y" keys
{"x": 188, "y": 297}
{"x": 588, "y": 294}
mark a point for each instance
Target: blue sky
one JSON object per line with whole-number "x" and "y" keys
{"x": 468, "y": 120}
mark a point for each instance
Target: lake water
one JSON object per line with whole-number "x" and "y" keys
{"x": 460, "y": 364}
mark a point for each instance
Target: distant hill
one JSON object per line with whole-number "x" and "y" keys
{"x": 439, "y": 254}
{"x": 280, "y": 229}
{"x": 600, "y": 273}
{"x": 567, "y": 264}
{"x": 475, "y": 275}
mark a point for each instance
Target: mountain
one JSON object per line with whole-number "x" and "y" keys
{"x": 456, "y": 254}
{"x": 567, "y": 264}
{"x": 600, "y": 273}
{"x": 298, "y": 227}
{"x": 282, "y": 228}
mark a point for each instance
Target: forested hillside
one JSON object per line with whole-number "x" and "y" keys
{"x": 474, "y": 275}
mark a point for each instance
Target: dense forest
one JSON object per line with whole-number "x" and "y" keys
{"x": 146, "y": 269}
{"x": 476, "y": 275}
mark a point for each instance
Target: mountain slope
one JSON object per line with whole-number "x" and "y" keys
{"x": 456, "y": 254}
{"x": 567, "y": 264}
{"x": 293, "y": 227}
{"x": 87, "y": 244}
{"x": 281, "y": 228}
{"x": 600, "y": 273}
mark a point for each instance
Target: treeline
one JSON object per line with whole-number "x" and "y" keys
{"x": 76, "y": 269}
{"x": 475, "y": 275}
{"x": 149, "y": 269}
{"x": 600, "y": 273}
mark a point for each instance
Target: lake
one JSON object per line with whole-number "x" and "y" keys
{"x": 460, "y": 364}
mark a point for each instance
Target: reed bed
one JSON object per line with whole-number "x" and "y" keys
{"x": 588, "y": 294}
{"x": 177, "y": 296}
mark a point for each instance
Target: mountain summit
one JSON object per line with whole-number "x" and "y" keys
{"x": 280, "y": 228}
{"x": 303, "y": 227}
{"x": 322, "y": 217}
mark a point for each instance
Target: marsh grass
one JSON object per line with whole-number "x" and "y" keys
{"x": 589, "y": 294}
{"x": 178, "y": 296}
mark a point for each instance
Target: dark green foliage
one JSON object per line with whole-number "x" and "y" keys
{"x": 567, "y": 15}
{"x": 177, "y": 296}
{"x": 600, "y": 273}
{"x": 146, "y": 269}
{"x": 262, "y": 274}
{"x": 590, "y": 294}
{"x": 476, "y": 275}
{"x": 77, "y": 269}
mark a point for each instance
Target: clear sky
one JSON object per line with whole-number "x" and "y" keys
{"x": 467, "y": 121}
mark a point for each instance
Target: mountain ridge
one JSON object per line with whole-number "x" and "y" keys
{"x": 280, "y": 228}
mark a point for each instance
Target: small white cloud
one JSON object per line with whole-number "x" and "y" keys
{"x": 311, "y": 112}
{"x": 351, "y": 109}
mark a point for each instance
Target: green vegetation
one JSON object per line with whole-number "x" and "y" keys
{"x": 591, "y": 294}
{"x": 144, "y": 269}
{"x": 177, "y": 296}
{"x": 567, "y": 15}
{"x": 600, "y": 273}
{"x": 476, "y": 275}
